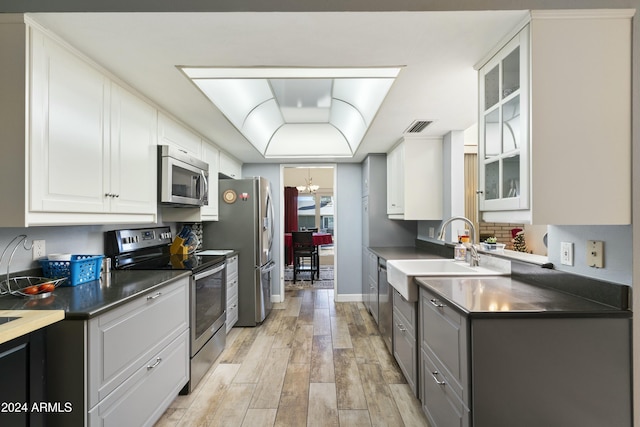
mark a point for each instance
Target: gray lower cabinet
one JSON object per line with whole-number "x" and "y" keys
{"x": 123, "y": 367}
{"x": 405, "y": 348}
{"x": 522, "y": 370}
{"x": 444, "y": 380}
{"x": 370, "y": 282}
{"x": 365, "y": 279}
{"x": 372, "y": 269}
{"x": 232, "y": 291}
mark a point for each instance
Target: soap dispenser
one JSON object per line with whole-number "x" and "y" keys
{"x": 460, "y": 252}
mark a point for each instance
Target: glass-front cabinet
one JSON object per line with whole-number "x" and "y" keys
{"x": 504, "y": 141}
{"x": 554, "y": 121}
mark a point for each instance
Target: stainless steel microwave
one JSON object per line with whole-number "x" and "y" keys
{"x": 183, "y": 179}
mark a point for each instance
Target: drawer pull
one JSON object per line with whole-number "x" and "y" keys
{"x": 154, "y": 296}
{"x": 435, "y": 374}
{"x": 436, "y": 303}
{"x": 156, "y": 363}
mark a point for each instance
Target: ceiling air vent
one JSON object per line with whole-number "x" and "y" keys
{"x": 417, "y": 126}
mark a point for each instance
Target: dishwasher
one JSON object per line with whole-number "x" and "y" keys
{"x": 385, "y": 305}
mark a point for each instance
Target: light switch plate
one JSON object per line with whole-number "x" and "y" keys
{"x": 595, "y": 253}
{"x": 566, "y": 253}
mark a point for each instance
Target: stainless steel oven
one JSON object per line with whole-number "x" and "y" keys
{"x": 208, "y": 298}
{"x": 148, "y": 249}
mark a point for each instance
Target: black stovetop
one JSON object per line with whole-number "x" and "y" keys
{"x": 192, "y": 262}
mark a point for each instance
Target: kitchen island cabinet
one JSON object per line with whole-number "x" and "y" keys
{"x": 498, "y": 352}
{"x": 537, "y": 93}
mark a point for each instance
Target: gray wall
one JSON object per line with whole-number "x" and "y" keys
{"x": 618, "y": 250}
{"x": 348, "y": 231}
{"x": 79, "y": 240}
{"x": 349, "y": 228}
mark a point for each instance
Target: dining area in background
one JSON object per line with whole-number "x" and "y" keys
{"x": 318, "y": 239}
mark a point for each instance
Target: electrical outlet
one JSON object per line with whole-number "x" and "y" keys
{"x": 38, "y": 249}
{"x": 566, "y": 253}
{"x": 432, "y": 232}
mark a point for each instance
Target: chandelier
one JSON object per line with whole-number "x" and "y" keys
{"x": 309, "y": 187}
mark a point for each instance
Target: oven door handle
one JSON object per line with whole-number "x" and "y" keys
{"x": 207, "y": 273}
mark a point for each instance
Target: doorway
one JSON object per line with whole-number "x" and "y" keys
{"x": 313, "y": 209}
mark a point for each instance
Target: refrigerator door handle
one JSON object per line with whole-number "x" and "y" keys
{"x": 267, "y": 267}
{"x": 270, "y": 216}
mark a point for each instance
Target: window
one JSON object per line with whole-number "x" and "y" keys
{"x": 316, "y": 211}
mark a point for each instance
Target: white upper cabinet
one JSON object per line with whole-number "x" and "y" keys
{"x": 133, "y": 154}
{"x": 395, "y": 181}
{"x": 211, "y": 155}
{"x": 69, "y": 132}
{"x": 504, "y": 147}
{"x": 555, "y": 121}
{"x": 414, "y": 179}
{"x": 92, "y": 150}
{"x": 229, "y": 166}
{"x": 173, "y": 133}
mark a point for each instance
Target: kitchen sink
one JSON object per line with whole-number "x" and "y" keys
{"x": 400, "y": 273}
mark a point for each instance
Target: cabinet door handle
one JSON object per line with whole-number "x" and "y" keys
{"x": 436, "y": 303}
{"x": 435, "y": 374}
{"x": 156, "y": 363}
{"x": 150, "y": 297}
{"x": 401, "y": 327}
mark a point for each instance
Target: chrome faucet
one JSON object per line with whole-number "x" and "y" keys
{"x": 474, "y": 257}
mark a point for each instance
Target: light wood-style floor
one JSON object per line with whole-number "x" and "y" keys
{"x": 312, "y": 362}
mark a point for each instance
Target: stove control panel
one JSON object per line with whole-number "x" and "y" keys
{"x": 122, "y": 241}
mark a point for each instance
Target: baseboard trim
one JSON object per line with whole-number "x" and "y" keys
{"x": 348, "y": 298}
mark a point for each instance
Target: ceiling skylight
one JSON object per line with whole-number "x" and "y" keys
{"x": 297, "y": 112}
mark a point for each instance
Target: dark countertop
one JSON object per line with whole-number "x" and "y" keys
{"x": 90, "y": 299}
{"x": 402, "y": 252}
{"x": 493, "y": 297}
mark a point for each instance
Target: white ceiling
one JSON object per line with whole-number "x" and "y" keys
{"x": 437, "y": 51}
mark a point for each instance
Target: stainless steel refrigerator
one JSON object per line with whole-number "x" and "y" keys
{"x": 246, "y": 224}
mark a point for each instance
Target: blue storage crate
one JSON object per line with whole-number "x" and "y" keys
{"x": 81, "y": 269}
